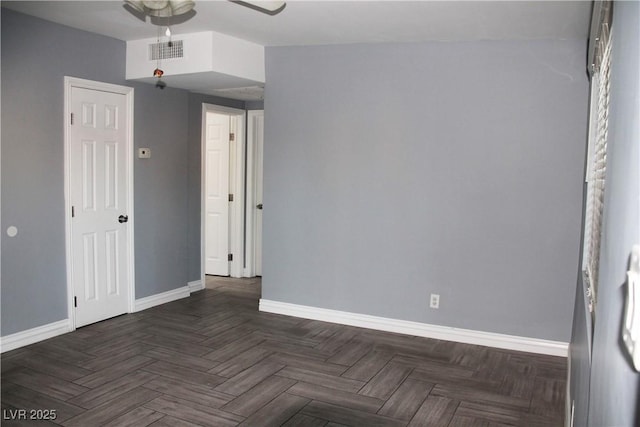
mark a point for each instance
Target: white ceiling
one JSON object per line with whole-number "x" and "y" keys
{"x": 337, "y": 22}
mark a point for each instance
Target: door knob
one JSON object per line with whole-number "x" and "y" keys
{"x": 259, "y": 206}
{"x": 123, "y": 218}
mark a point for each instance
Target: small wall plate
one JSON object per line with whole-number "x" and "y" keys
{"x": 144, "y": 153}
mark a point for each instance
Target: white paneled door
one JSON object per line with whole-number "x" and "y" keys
{"x": 217, "y": 194}
{"x": 98, "y": 194}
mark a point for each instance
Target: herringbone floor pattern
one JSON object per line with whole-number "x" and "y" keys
{"x": 214, "y": 360}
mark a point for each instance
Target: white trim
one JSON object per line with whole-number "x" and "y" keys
{"x": 236, "y": 214}
{"x": 128, "y": 92}
{"x": 162, "y": 298}
{"x": 236, "y": 246}
{"x": 568, "y": 402}
{"x": 34, "y": 335}
{"x": 41, "y": 333}
{"x": 489, "y": 339}
{"x": 195, "y": 286}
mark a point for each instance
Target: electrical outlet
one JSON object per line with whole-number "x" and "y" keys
{"x": 434, "y": 302}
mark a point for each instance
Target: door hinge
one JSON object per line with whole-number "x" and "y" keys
{"x": 75, "y": 301}
{"x": 72, "y": 118}
{"x": 230, "y": 257}
{"x": 231, "y": 197}
{"x": 73, "y": 211}
{"x": 232, "y": 137}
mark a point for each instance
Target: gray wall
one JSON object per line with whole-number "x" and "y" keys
{"x": 615, "y": 386}
{"x": 160, "y": 184}
{"x": 36, "y": 55}
{"x": 254, "y": 105}
{"x": 396, "y": 170}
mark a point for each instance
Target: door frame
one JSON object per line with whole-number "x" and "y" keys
{"x": 128, "y": 92}
{"x": 236, "y": 211}
{"x": 250, "y": 263}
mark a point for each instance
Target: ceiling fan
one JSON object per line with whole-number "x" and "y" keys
{"x": 170, "y": 8}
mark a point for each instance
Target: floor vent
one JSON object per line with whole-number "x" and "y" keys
{"x": 166, "y": 50}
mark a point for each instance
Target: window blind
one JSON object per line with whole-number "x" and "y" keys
{"x": 597, "y": 164}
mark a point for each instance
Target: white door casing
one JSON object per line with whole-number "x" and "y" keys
{"x": 216, "y": 233}
{"x": 237, "y": 189}
{"x": 98, "y": 145}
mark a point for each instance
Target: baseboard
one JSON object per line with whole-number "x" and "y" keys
{"x": 34, "y": 335}
{"x": 568, "y": 404}
{"x": 162, "y": 298}
{"x": 195, "y": 286}
{"x": 489, "y": 339}
{"x": 41, "y": 333}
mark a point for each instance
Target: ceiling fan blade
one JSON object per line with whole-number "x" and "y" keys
{"x": 265, "y": 6}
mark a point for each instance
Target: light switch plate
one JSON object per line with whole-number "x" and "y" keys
{"x": 631, "y": 329}
{"x": 144, "y": 153}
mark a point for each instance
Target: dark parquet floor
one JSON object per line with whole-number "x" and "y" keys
{"x": 214, "y": 360}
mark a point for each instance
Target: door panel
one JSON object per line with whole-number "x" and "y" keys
{"x": 217, "y": 194}
{"x": 111, "y": 175}
{"x": 89, "y": 266}
{"x": 98, "y": 147}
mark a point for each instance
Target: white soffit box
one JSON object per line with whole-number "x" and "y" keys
{"x": 203, "y": 52}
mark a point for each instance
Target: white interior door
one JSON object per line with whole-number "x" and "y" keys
{"x": 217, "y": 194}
{"x": 98, "y": 147}
{"x": 259, "y": 139}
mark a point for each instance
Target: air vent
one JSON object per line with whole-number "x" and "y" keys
{"x": 166, "y": 50}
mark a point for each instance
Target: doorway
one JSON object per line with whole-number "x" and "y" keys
{"x": 98, "y": 200}
{"x": 222, "y": 188}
